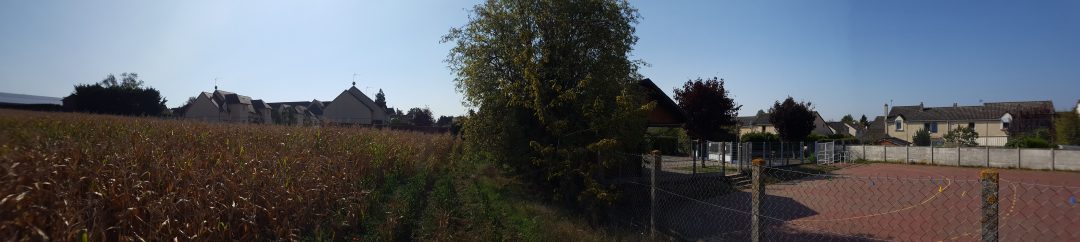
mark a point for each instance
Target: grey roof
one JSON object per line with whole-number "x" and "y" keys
{"x": 316, "y": 107}
{"x": 368, "y": 103}
{"x": 745, "y": 120}
{"x": 837, "y": 127}
{"x": 762, "y": 119}
{"x": 259, "y": 104}
{"x": 988, "y": 111}
{"x": 28, "y": 99}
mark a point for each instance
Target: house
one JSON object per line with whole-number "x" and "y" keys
{"x": 666, "y": 113}
{"x": 844, "y": 128}
{"x": 760, "y": 123}
{"x": 221, "y": 106}
{"x": 297, "y": 113}
{"x": 994, "y": 122}
{"x": 1078, "y": 107}
{"x": 263, "y": 111}
{"x": 353, "y": 107}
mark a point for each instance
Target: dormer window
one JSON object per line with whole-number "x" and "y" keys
{"x": 1006, "y": 120}
{"x": 899, "y": 122}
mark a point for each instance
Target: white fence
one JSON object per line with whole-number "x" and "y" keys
{"x": 1041, "y": 159}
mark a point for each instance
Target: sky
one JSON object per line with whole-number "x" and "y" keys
{"x": 845, "y": 57}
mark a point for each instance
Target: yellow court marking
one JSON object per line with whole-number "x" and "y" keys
{"x": 940, "y": 190}
{"x": 1011, "y": 207}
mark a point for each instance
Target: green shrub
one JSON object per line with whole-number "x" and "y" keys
{"x": 759, "y": 137}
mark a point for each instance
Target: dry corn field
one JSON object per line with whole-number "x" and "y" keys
{"x": 79, "y": 177}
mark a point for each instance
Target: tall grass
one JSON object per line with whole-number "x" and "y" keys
{"x": 91, "y": 177}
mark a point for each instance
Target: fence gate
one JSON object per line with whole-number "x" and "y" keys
{"x": 826, "y": 152}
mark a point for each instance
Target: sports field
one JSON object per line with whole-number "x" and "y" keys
{"x": 870, "y": 202}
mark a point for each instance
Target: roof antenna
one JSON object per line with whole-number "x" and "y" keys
{"x": 215, "y": 83}
{"x": 354, "y": 79}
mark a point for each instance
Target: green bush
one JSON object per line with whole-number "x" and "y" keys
{"x": 759, "y": 137}
{"x": 1028, "y": 142}
{"x": 922, "y": 138}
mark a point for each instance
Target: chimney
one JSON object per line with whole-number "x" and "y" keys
{"x": 955, "y": 104}
{"x": 885, "y": 121}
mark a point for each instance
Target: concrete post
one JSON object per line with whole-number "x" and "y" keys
{"x": 757, "y": 197}
{"x": 957, "y": 155}
{"x": 782, "y": 155}
{"x": 652, "y": 193}
{"x": 907, "y": 154}
{"x": 989, "y": 221}
{"x": 1053, "y": 158}
{"x": 932, "y": 154}
{"x": 802, "y": 152}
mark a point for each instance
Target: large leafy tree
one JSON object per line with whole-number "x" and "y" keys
{"x": 1067, "y": 128}
{"x": 863, "y": 121}
{"x": 554, "y": 91}
{"x": 126, "y": 96}
{"x": 711, "y": 111}
{"x": 420, "y": 117}
{"x": 793, "y": 120}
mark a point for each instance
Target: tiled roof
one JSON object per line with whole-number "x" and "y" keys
{"x": 745, "y": 120}
{"x": 987, "y": 111}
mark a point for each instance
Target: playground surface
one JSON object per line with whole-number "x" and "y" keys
{"x": 895, "y": 202}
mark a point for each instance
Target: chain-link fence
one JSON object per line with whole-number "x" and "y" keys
{"x": 871, "y": 202}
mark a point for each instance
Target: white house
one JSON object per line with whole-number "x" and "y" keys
{"x": 353, "y": 107}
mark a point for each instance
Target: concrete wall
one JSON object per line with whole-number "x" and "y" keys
{"x": 1068, "y": 160}
{"x": 919, "y": 155}
{"x": 1040, "y": 159}
{"x": 973, "y": 156}
{"x": 1004, "y": 158}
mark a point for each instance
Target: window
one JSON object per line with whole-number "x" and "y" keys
{"x": 971, "y": 126}
{"x": 1004, "y": 125}
{"x": 932, "y": 127}
{"x": 926, "y": 126}
{"x": 899, "y": 125}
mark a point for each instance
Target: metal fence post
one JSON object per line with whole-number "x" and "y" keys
{"x": 989, "y": 221}
{"x": 652, "y": 193}
{"x": 757, "y": 197}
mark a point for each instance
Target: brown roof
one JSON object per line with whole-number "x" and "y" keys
{"x": 663, "y": 102}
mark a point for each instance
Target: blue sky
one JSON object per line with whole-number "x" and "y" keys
{"x": 844, "y": 56}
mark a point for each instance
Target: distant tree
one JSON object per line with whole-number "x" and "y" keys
{"x": 380, "y": 99}
{"x": 922, "y": 138}
{"x": 963, "y": 136}
{"x": 710, "y": 109}
{"x": 124, "y": 97}
{"x": 793, "y": 120}
{"x": 420, "y": 117}
{"x": 444, "y": 121}
{"x": 847, "y": 119}
{"x": 760, "y": 112}
{"x": 863, "y": 121}
{"x": 1067, "y": 127}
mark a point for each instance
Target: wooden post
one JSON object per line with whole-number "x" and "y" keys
{"x": 652, "y": 193}
{"x": 989, "y": 221}
{"x": 757, "y": 197}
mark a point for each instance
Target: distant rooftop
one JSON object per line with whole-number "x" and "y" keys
{"x": 28, "y": 99}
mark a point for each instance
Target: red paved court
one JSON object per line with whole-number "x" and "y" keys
{"x": 924, "y": 203}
